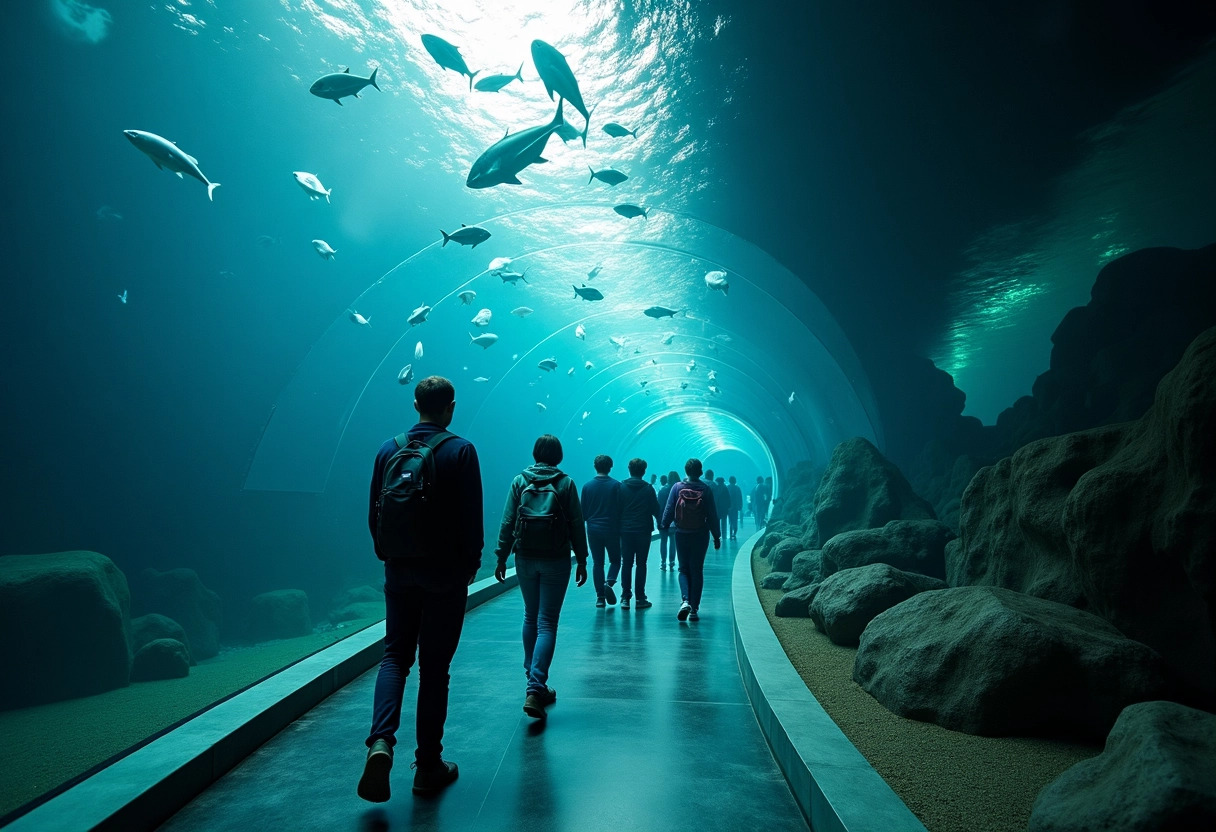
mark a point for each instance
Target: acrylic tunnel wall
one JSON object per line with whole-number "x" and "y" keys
{"x": 756, "y": 378}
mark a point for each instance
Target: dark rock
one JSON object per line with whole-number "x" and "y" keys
{"x": 910, "y": 545}
{"x": 180, "y": 595}
{"x": 796, "y": 604}
{"x": 862, "y": 490}
{"x": 773, "y": 534}
{"x": 781, "y": 556}
{"x": 149, "y": 628}
{"x": 282, "y": 613}
{"x": 64, "y": 618}
{"x": 797, "y": 501}
{"x": 994, "y": 662}
{"x": 806, "y": 569}
{"x": 1119, "y": 520}
{"x": 162, "y": 658}
{"x": 774, "y": 580}
{"x": 1158, "y": 772}
{"x": 848, "y": 600}
{"x": 360, "y": 602}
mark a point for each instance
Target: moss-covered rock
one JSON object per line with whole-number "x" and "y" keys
{"x": 796, "y": 604}
{"x": 282, "y": 613}
{"x": 180, "y": 594}
{"x": 848, "y": 600}
{"x": 64, "y": 627}
{"x": 162, "y": 658}
{"x": 806, "y": 569}
{"x": 360, "y": 602}
{"x": 908, "y": 545}
{"x": 149, "y": 628}
{"x": 774, "y": 580}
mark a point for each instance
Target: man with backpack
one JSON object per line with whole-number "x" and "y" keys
{"x": 667, "y": 547}
{"x": 541, "y": 523}
{"x": 602, "y": 511}
{"x": 736, "y": 505}
{"x": 639, "y": 512}
{"x": 691, "y": 508}
{"x": 426, "y": 523}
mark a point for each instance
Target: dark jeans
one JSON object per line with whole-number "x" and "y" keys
{"x": 424, "y": 613}
{"x": 691, "y": 547}
{"x": 635, "y": 547}
{"x": 722, "y": 527}
{"x": 666, "y": 543}
{"x": 599, "y": 542}
{"x": 542, "y": 583}
{"x": 733, "y": 517}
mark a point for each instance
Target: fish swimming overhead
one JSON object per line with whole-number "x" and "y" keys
{"x": 485, "y": 340}
{"x": 692, "y": 365}
{"x": 683, "y": 385}
{"x": 512, "y": 277}
{"x": 713, "y": 388}
{"x": 567, "y": 131}
{"x": 468, "y": 235}
{"x": 337, "y": 85}
{"x": 619, "y": 343}
{"x": 716, "y": 280}
{"x": 587, "y": 293}
{"x": 418, "y": 316}
{"x": 586, "y": 413}
{"x": 588, "y": 366}
{"x": 482, "y": 318}
{"x": 406, "y": 375}
{"x": 713, "y": 375}
{"x": 620, "y": 410}
{"x": 617, "y": 131}
{"x": 580, "y": 333}
{"x": 447, "y": 56}
{"x": 667, "y": 339}
{"x": 657, "y": 312}
{"x": 494, "y": 83}
{"x": 311, "y": 185}
{"x": 521, "y": 311}
{"x": 324, "y": 249}
{"x": 166, "y": 155}
{"x": 629, "y": 211}
{"x": 547, "y": 364}
{"x": 595, "y": 271}
{"x": 123, "y": 296}
{"x": 607, "y": 175}
{"x": 481, "y": 379}
{"x": 557, "y": 77}
{"x": 467, "y": 297}
{"x": 570, "y": 372}
{"x": 418, "y": 352}
{"x": 501, "y": 162}
{"x": 359, "y": 319}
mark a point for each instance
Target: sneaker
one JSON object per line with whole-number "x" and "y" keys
{"x": 432, "y": 779}
{"x": 692, "y": 616}
{"x": 534, "y": 705}
{"x": 625, "y": 604}
{"x": 643, "y": 605}
{"x": 685, "y": 609}
{"x": 599, "y": 602}
{"x": 609, "y": 593}
{"x": 373, "y": 785}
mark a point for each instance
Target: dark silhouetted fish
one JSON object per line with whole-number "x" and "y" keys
{"x": 657, "y": 312}
{"x": 629, "y": 211}
{"x": 501, "y": 163}
{"x": 587, "y": 293}
{"x": 468, "y": 235}
{"x": 557, "y": 77}
{"x": 617, "y": 131}
{"x": 494, "y": 83}
{"x": 337, "y": 85}
{"x": 447, "y": 56}
{"x": 607, "y": 175}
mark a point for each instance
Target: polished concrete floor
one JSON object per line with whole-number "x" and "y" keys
{"x": 652, "y": 730}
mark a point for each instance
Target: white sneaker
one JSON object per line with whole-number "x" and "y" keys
{"x": 685, "y": 609}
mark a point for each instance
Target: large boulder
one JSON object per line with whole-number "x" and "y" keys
{"x": 781, "y": 556}
{"x": 63, "y": 627}
{"x": 797, "y": 501}
{"x": 151, "y": 627}
{"x": 861, "y": 489}
{"x": 1158, "y": 772}
{"x": 360, "y": 602}
{"x": 282, "y": 613}
{"x": 848, "y": 600}
{"x": 774, "y": 580}
{"x": 994, "y": 662}
{"x": 180, "y": 595}
{"x": 162, "y": 658}
{"x": 772, "y": 535}
{"x": 910, "y": 545}
{"x": 1119, "y": 520}
{"x": 796, "y": 604}
{"x": 806, "y": 569}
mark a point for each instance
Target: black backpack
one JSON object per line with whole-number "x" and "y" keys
{"x": 407, "y": 493}
{"x": 541, "y": 527}
{"x": 690, "y": 510}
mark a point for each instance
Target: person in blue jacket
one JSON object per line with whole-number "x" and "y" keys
{"x": 667, "y": 546}
{"x": 601, "y": 502}
{"x": 690, "y": 507}
{"x": 639, "y": 512}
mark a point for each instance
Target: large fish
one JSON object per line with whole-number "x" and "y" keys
{"x": 629, "y": 211}
{"x": 547, "y": 364}
{"x": 494, "y": 83}
{"x": 485, "y": 340}
{"x": 511, "y": 277}
{"x": 617, "y": 131}
{"x": 418, "y": 316}
{"x": 557, "y": 77}
{"x": 657, "y": 312}
{"x": 502, "y": 161}
{"x": 468, "y": 235}
{"x": 166, "y": 155}
{"x": 608, "y": 176}
{"x": 587, "y": 293}
{"x": 447, "y": 56}
{"x": 337, "y": 85}
{"x": 311, "y": 185}
{"x": 324, "y": 249}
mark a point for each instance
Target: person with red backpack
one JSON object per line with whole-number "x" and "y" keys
{"x": 426, "y": 524}
{"x": 541, "y": 522}
{"x": 691, "y": 508}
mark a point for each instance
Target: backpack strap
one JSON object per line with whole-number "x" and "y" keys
{"x": 402, "y": 440}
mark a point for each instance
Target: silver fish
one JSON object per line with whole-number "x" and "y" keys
{"x": 418, "y": 316}
{"x": 467, "y": 235}
{"x": 406, "y": 375}
{"x": 166, "y": 155}
{"x": 337, "y": 85}
{"x": 447, "y": 56}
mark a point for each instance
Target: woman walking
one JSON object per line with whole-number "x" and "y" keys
{"x": 691, "y": 508}
{"x": 541, "y": 523}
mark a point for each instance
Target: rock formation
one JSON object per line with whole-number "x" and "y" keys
{"x": 846, "y": 601}
{"x": 180, "y": 595}
{"x": 282, "y": 613}
{"x": 149, "y": 628}
{"x": 161, "y": 658}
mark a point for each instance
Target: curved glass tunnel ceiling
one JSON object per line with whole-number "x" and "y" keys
{"x": 769, "y": 337}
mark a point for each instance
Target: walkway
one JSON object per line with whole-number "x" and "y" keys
{"x": 652, "y": 731}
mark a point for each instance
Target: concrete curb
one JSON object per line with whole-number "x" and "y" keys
{"x": 833, "y": 784}
{"x": 146, "y": 787}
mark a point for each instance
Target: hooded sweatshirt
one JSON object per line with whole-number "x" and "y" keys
{"x": 567, "y": 494}
{"x": 639, "y": 506}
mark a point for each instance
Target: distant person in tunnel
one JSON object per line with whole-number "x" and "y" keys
{"x": 766, "y": 499}
{"x": 602, "y": 511}
{"x": 639, "y": 513}
{"x": 667, "y": 546}
{"x": 736, "y": 505}
{"x": 759, "y": 503}
{"x": 690, "y": 506}
{"x": 426, "y": 524}
{"x": 541, "y": 522}
{"x": 721, "y": 499}
{"x": 653, "y": 487}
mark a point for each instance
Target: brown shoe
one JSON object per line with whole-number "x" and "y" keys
{"x": 433, "y": 779}
{"x": 374, "y": 785}
{"x": 534, "y": 706}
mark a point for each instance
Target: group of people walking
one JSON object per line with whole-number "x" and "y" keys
{"x": 429, "y": 479}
